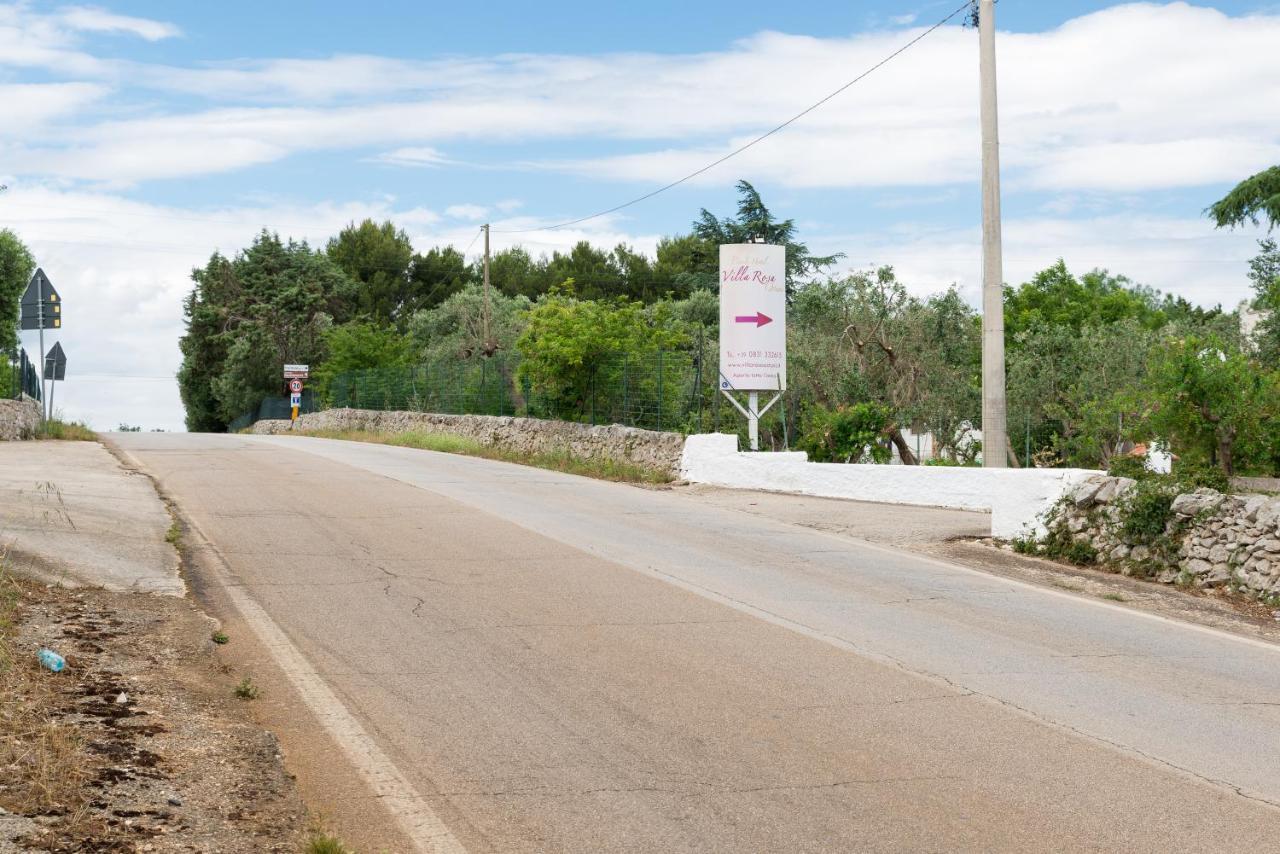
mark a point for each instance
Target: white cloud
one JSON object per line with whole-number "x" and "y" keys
{"x": 413, "y": 156}
{"x": 91, "y": 19}
{"x": 468, "y": 212}
{"x": 30, "y": 106}
{"x": 904, "y": 20}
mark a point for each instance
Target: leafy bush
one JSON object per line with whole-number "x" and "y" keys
{"x": 1125, "y": 465}
{"x": 1193, "y": 476}
{"x": 847, "y": 434}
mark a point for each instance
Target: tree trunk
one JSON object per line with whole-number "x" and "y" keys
{"x": 904, "y": 451}
{"x": 1224, "y": 455}
{"x": 1013, "y": 455}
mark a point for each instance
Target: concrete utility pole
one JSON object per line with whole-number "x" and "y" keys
{"x": 994, "y": 435}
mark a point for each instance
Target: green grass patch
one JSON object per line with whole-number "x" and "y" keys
{"x": 220, "y": 638}
{"x": 173, "y": 536}
{"x": 72, "y": 431}
{"x": 246, "y": 690}
{"x": 449, "y": 443}
{"x": 1114, "y": 597}
{"x": 324, "y": 843}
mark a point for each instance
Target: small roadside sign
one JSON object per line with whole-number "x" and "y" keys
{"x": 55, "y": 363}
{"x": 295, "y": 400}
{"x": 300, "y": 372}
{"x": 295, "y": 386}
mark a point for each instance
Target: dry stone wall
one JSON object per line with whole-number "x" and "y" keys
{"x": 649, "y": 449}
{"x": 1208, "y": 539}
{"x": 19, "y": 419}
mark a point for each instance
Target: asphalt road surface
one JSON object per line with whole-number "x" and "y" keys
{"x": 519, "y": 660}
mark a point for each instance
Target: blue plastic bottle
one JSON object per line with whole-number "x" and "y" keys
{"x": 51, "y": 660}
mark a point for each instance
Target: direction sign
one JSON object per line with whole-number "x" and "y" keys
{"x": 753, "y": 317}
{"x": 297, "y": 372}
{"x": 295, "y": 386}
{"x": 55, "y": 363}
{"x": 41, "y": 305}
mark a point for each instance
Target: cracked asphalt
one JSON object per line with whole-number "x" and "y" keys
{"x": 559, "y": 664}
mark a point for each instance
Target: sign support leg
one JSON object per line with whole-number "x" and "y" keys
{"x": 753, "y": 419}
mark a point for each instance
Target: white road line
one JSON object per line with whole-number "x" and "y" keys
{"x": 412, "y": 814}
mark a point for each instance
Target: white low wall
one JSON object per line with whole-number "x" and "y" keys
{"x": 1016, "y": 498}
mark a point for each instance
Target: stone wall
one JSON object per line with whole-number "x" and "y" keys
{"x": 648, "y": 449}
{"x": 1209, "y": 539}
{"x": 19, "y": 419}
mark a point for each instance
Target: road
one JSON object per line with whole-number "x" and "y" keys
{"x": 519, "y": 660}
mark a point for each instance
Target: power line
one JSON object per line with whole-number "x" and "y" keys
{"x": 967, "y": 4}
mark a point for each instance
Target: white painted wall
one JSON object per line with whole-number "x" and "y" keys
{"x": 1016, "y": 498}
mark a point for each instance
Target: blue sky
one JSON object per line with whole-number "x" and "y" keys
{"x": 138, "y": 137}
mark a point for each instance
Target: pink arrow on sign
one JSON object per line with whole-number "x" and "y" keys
{"x": 759, "y": 319}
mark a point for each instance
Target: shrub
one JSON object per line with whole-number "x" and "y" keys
{"x": 1124, "y": 465}
{"x": 847, "y": 434}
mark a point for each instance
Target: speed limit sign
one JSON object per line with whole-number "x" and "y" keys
{"x": 295, "y": 386}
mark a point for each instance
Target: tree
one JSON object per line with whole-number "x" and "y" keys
{"x": 1264, "y": 274}
{"x": 1078, "y": 392}
{"x": 358, "y": 346}
{"x": 566, "y": 340}
{"x": 863, "y": 338}
{"x": 248, "y": 316}
{"x": 756, "y": 222}
{"x": 16, "y": 269}
{"x": 433, "y": 278}
{"x": 1211, "y": 402}
{"x": 1056, "y": 297}
{"x": 378, "y": 258}
{"x": 455, "y": 328}
{"x": 1253, "y": 199}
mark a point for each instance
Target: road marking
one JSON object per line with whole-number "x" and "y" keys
{"x": 413, "y": 815}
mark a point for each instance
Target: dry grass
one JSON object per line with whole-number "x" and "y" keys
{"x": 451, "y": 444}
{"x": 43, "y": 764}
{"x": 73, "y": 431}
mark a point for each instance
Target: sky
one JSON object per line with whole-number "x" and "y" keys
{"x": 137, "y": 138}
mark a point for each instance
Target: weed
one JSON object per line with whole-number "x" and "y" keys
{"x": 1026, "y": 545}
{"x": 73, "y": 431}
{"x": 246, "y": 690}
{"x": 1114, "y": 597}
{"x": 220, "y": 638}
{"x": 324, "y": 843}
{"x": 173, "y": 536}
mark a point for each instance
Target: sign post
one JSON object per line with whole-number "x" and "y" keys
{"x": 295, "y": 374}
{"x": 41, "y": 309}
{"x": 55, "y": 368}
{"x": 753, "y": 327}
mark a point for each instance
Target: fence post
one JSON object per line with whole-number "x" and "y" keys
{"x": 626, "y": 401}
{"x": 697, "y": 377}
{"x": 659, "y": 391}
{"x": 484, "y": 385}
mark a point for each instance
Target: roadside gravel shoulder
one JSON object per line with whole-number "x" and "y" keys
{"x": 960, "y": 537}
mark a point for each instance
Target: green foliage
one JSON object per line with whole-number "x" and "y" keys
{"x": 434, "y": 278}
{"x": 1254, "y": 199}
{"x": 247, "y": 690}
{"x": 1193, "y": 475}
{"x": 1212, "y": 403}
{"x": 1145, "y": 511}
{"x": 567, "y": 340}
{"x": 361, "y": 345}
{"x": 847, "y": 434}
{"x": 378, "y": 258}
{"x": 754, "y": 222}
{"x": 16, "y": 267}
{"x": 864, "y": 337}
{"x": 1054, "y": 297}
{"x": 1264, "y": 274}
{"x": 455, "y": 328}
{"x": 248, "y": 316}
{"x": 1126, "y": 465}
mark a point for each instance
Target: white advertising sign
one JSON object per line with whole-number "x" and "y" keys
{"x": 753, "y": 317}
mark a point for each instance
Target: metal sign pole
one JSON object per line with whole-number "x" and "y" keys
{"x": 753, "y": 419}
{"x": 40, "y": 322}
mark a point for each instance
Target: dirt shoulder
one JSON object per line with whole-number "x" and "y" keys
{"x": 961, "y": 537}
{"x": 138, "y": 744}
